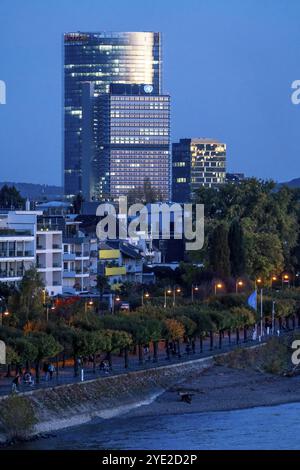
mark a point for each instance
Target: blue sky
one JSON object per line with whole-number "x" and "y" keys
{"x": 228, "y": 65}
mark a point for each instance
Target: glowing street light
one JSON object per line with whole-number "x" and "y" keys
{"x": 273, "y": 279}
{"x": 167, "y": 292}
{"x": 218, "y": 286}
{"x": 194, "y": 289}
{"x": 237, "y": 285}
{"x": 145, "y": 296}
{"x": 175, "y": 291}
{"x": 286, "y": 279}
{"x": 4, "y": 314}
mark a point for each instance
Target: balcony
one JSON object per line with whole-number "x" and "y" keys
{"x": 69, "y": 256}
{"x": 11, "y": 274}
{"x": 69, "y": 274}
{"x": 16, "y": 254}
{"x": 56, "y": 246}
{"x": 115, "y": 271}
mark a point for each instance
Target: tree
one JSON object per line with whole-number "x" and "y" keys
{"x": 219, "y": 251}
{"x": 237, "y": 249}
{"x": 26, "y": 350}
{"x": 102, "y": 284}
{"x": 27, "y": 302}
{"x": 173, "y": 331}
{"x": 145, "y": 194}
{"x": 46, "y": 347}
{"x": 10, "y": 198}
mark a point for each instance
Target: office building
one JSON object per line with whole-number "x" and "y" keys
{"x": 195, "y": 163}
{"x": 101, "y": 59}
{"x": 132, "y": 143}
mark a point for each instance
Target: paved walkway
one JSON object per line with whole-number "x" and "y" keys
{"x": 66, "y": 375}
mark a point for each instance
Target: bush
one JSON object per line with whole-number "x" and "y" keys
{"x": 17, "y": 417}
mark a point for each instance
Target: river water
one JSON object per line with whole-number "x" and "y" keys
{"x": 275, "y": 427}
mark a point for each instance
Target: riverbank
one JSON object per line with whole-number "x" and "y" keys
{"x": 221, "y": 388}
{"x": 74, "y": 404}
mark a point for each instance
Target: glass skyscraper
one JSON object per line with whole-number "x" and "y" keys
{"x": 101, "y": 59}
{"x": 132, "y": 138}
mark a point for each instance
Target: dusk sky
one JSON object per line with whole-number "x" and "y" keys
{"x": 228, "y": 65}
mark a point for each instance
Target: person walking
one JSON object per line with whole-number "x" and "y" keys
{"x": 46, "y": 371}
{"x": 15, "y": 384}
{"x": 51, "y": 370}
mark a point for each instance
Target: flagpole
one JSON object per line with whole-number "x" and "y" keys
{"x": 261, "y": 314}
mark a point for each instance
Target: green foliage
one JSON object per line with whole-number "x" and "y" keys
{"x": 219, "y": 251}
{"x": 45, "y": 345}
{"x": 173, "y": 329}
{"x": 268, "y": 218}
{"x": 10, "y": 198}
{"x": 236, "y": 248}
{"x": 26, "y": 350}
{"x": 17, "y": 417}
{"x": 27, "y": 302}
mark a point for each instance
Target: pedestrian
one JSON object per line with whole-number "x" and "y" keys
{"x": 15, "y": 384}
{"x": 51, "y": 370}
{"x": 28, "y": 379}
{"x": 46, "y": 370}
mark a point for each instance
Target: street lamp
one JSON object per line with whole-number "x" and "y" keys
{"x": 113, "y": 300}
{"x": 218, "y": 285}
{"x": 4, "y": 314}
{"x": 274, "y": 279}
{"x": 145, "y": 296}
{"x": 167, "y": 291}
{"x": 237, "y": 285}
{"x": 175, "y": 291}
{"x": 194, "y": 289}
{"x": 87, "y": 304}
{"x": 285, "y": 279}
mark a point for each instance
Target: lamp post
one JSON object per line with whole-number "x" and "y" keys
{"x": 261, "y": 314}
{"x": 145, "y": 296}
{"x": 218, "y": 285}
{"x": 87, "y": 304}
{"x": 274, "y": 279}
{"x": 167, "y": 291}
{"x": 194, "y": 289}
{"x": 113, "y": 300}
{"x": 175, "y": 290}
{"x": 273, "y": 316}
{"x": 4, "y": 314}
{"x": 285, "y": 279}
{"x": 237, "y": 285}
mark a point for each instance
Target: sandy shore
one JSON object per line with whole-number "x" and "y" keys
{"x": 221, "y": 388}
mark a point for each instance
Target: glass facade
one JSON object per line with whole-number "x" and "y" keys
{"x": 101, "y": 59}
{"x": 133, "y": 141}
{"x": 197, "y": 162}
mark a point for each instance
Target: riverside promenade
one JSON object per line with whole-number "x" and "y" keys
{"x": 65, "y": 375}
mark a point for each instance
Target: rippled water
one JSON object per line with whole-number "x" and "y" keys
{"x": 276, "y": 427}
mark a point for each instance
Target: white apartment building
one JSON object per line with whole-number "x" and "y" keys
{"x": 25, "y": 243}
{"x": 49, "y": 258}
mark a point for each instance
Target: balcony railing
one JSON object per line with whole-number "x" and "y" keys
{"x": 56, "y": 246}
{"x": 10, "y": 274}
{"x": 16, "y": 254}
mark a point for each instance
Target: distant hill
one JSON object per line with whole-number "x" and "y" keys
{"x": 36, "y": 192}
{"x": 295, "y": 183}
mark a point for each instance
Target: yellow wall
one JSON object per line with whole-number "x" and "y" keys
{"x": 115, "y": 271}
{"x": 109, "y": 254}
